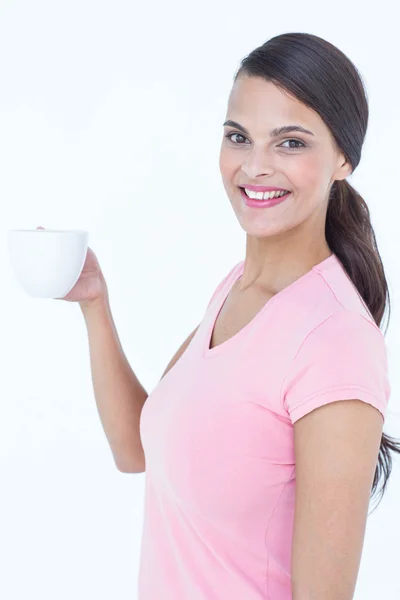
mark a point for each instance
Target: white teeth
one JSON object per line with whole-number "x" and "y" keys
{"x": 264, "y": 195}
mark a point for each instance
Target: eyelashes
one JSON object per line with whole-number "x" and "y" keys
{"x": 303, "y": 145}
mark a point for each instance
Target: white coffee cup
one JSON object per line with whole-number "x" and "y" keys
{"x": 47, "y": 262}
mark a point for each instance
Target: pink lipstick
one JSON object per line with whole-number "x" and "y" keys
{"x": 253, "y": 203}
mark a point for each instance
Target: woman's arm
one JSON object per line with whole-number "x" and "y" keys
{"x": 336, "y": 453}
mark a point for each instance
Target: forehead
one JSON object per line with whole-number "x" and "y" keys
{"x": 258, "y": 104}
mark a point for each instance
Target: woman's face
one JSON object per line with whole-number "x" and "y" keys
{"x": 306, "y": 166}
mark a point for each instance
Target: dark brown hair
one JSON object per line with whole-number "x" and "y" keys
{"x": 321, "y": 76}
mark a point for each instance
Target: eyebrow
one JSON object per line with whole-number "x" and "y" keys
{"x": 274, "y": 132}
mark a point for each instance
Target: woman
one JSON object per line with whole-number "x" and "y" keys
{"x": 263, "y": 440}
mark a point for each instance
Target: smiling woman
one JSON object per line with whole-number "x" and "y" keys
{"x": 264, "y": 441}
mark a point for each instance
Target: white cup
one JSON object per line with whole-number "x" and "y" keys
{"x": 47, "y": 262}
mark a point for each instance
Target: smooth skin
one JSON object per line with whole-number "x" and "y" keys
{"x": 336, "y": 445}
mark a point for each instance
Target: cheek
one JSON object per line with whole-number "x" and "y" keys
{"x": 227, "y": 163}
{"x": 305, "y": 174}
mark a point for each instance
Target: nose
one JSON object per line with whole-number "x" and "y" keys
{"x": 255, "y": 165}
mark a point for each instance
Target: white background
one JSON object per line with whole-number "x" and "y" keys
{"x": 111, "y": 120}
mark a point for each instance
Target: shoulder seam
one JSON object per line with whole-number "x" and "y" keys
{"x": 371, "y": 320}
{"x": 342, "y": 309}
{"x": 328, "y": 286}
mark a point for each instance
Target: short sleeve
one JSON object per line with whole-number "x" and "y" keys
{"x": 343, "y": 358}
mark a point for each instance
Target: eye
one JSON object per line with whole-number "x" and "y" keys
{"x": 297, "y": 142}
{"x": 229, "y": 136}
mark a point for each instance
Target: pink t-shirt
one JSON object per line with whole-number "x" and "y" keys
{"x": 217, "y": 433}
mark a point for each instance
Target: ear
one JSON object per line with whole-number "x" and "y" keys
{"x": 343, "y": 169}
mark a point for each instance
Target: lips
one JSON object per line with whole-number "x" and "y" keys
{"x": 254, "y": 203}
